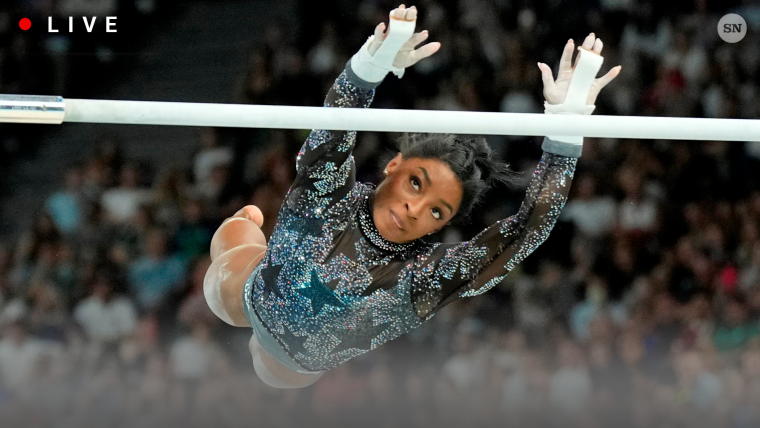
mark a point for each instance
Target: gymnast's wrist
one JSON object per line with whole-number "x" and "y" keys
{"x": 568, "y": 108}
{"x": 360, "y": 79}
{"x": 571, "y": 109}
{"x": 563, "y": 146}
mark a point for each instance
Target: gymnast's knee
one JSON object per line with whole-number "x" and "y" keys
{"x": 212, "y": 284}
{"x": 225, "y": 279}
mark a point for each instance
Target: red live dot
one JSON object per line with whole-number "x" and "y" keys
{"x": 25, "y": 24}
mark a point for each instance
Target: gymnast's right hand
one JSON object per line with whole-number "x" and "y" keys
{"x": 407, "y": 55}
{"x": 392, "y": 50}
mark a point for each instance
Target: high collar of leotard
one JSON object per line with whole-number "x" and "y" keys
{"x": 369, "y": 229}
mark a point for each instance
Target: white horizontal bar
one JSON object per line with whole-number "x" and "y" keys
{"x": 392, "y": 120}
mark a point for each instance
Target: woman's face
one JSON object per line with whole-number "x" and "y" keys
{"x": 418, "y": 197}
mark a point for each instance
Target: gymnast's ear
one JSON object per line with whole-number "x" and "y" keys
{"x": 394, "y": 163}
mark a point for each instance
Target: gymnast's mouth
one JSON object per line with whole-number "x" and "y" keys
{"x": 397, "y": 221}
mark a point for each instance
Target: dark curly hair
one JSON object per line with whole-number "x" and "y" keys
{"x": 469, "y": 157}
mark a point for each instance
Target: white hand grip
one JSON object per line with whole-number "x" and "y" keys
{"x": 373, "y": 68}
{"x": 585, "y": 72}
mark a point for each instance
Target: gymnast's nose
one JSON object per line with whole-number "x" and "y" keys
{"x": 413, "y": 209}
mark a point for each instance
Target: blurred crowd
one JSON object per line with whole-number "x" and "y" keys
{"x": 641, "y": 309}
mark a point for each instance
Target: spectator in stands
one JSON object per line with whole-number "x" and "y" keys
{"x": 65, "y": 206}
{"x": 466, "y": 368}
{"x": 191, "y": 356}
{"x": 122, "y": 202}
{"x": 157, "y": 274}
{"x": 211, "y": 155}
{"x": 592, "y": 214}
{"x": 700, "y": 387}
{"x": 570, "y": 386}
{"x": 193, "y": 307}
{"x": 170, "y": 192}
{"x": 737, "y": 329}
{"x": 107, "y": 317}
{"x": 195, "y": 231}
{"x": 31, "y": 246}
{"x": 47, "y": 316}
{"x": 21, "y": 354}
{"x": 637, "y": 212}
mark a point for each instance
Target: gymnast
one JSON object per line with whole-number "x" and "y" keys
{"x": 346, "y": 267}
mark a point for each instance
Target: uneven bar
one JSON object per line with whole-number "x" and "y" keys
{"x": 381, "y": 120}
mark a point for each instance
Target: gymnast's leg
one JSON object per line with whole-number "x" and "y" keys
{"x": 225, "y": 279}
{"x": 274, "y": 374}
{"x": 236, "y": 248}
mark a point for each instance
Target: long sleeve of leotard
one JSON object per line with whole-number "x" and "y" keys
{"x": 325, "y": 165}
{"x": 448, "y": 272}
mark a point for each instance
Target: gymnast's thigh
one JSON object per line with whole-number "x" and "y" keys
{"x": 225, "y": 280}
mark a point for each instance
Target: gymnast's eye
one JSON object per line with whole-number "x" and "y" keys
{"x": 437, "y": 213}
{"x": 415, "y": 182}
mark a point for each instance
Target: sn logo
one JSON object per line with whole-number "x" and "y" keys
{"x": 732, "y": 28}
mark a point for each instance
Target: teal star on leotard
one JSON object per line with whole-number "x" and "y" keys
{"x": 320, "y": 295}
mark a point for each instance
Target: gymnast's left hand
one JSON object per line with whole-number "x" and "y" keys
{"x": 555, "y": 91}
{"x": 407, "y": 55}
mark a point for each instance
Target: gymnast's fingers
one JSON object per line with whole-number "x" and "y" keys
{"x": 598, "y": 45}
{"x": 416, "y": 39}
{"x": 411, "y": 14}
{"x": 425, "y": 51}
{"x": 601, "y": 82}
{"x": 567, "y": 54}
{"x": 380, "y": 31}
{"x": 546, "y": 77}
{"x": 607, "y": 78}
{"x": 399, "y": 12}
{"x": 377, "y": 38}
{"x": 588, "y": 43}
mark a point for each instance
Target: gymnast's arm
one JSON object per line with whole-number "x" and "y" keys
{"x": 324, "y": 163}
{"x": 325, "y": 166}
{"x": 453, "y": 271}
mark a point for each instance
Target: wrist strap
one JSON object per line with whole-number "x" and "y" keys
{"x": 373, "y": 68}
{"x": 584, "y": 74}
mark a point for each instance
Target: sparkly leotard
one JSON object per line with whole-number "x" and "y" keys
{"x": 330, "y": 287}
